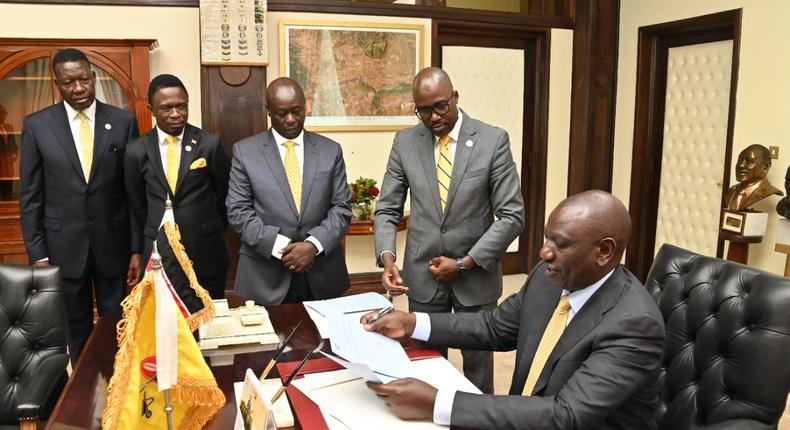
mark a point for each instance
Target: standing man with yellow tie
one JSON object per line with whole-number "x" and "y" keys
{"x": 466, "y": 208}
{"x": 72, "y": 199}
{"x": 588, "y": 336}
{"x": 289, "y": 201}
{"x": 189, "y": 166}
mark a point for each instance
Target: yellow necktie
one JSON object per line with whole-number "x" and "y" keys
{"x": 86, "y": 144}
{"x": 172, "y": 163}
{"x": 550, "y": 337}
{"x": 292, "y": 171}
{"x": 444, "y": 169}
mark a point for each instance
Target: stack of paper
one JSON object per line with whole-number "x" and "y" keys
{"x": 353, "y": 307}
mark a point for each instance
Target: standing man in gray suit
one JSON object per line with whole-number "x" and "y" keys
{"x": 72, "y": 200}
{"x": 289, "y": 201}
{"x": 466, "y": 208}
{"x": 588, "y": 336}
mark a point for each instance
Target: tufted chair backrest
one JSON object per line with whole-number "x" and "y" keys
{"x": 727, "y": 351}
{"x": 32, "y": 340}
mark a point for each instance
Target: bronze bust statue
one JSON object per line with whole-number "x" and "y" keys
{"x": 783, "y": 207}
{"x": 750, "y": 170}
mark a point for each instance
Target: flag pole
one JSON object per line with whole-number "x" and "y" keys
{"x": 156, "y": 264}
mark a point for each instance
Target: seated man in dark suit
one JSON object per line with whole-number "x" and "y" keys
{"x": 588, "y": 336}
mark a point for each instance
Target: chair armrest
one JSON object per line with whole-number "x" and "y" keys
{"x": 740, "y": 424}
{"x": 28, "y": 423}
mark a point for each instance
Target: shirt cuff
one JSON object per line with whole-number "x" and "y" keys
{"x": 315, "y": 242}
{"x": 422, "y": 327}
{"x": 443, "y": 407}
{"x": 43, "y": 260}
{"x": 383, "y": 252}
{"x": 279, "y": 243}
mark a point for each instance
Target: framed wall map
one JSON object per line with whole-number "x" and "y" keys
{"x": 356, "y": 76}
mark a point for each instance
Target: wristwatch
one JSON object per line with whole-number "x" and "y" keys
{"x": 459, "y": 265}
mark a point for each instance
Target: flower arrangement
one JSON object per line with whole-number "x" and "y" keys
{"x": 363, "y": 193}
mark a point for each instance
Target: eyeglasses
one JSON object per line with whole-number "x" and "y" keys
{"x": 439, "y": 108}
{"x": 167, "y": 110}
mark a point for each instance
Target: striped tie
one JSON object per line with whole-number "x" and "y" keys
{"x": 444, "y": 169}
{"x": 292, "y": 171}
{"x": 550, "y": 337}
{"x": 172, "y": 163}
{"x": 86, "y": 144}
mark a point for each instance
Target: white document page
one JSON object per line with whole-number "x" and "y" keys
{"x": 350, "y": 304}
{"x": 381, "y": 354}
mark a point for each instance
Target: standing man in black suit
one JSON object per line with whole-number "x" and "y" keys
{"x": 588, "y": 336}
{"x": 72, "y": 200}
{"x": 189, "y": 166}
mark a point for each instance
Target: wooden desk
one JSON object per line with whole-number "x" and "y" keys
{"x": 367, "y": 281}
{"x": 83, "y": 400}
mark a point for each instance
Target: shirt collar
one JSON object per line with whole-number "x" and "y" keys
{"x": 578, "y": 298}
{"x": 162, "y": 136}
{"x": 298, "y": 140}
{"x": 455, "y": 133}
{"x": 89, "y": 111}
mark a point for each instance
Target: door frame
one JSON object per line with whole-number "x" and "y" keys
{"x": 651, "y": 84}
{"x": 535, "y": 42}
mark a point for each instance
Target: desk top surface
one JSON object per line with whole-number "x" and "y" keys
{"x": 83, "y": 400}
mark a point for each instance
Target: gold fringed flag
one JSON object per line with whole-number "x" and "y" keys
{"x": 134, "y": 399}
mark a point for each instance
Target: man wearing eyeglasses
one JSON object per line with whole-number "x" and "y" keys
{"x": 466, "y": 208}
{"x": 188, "y": 166}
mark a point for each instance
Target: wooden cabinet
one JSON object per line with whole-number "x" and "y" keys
{"x": 27, "y": 85}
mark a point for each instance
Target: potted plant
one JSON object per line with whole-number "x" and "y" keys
{"x": 363, "y": 194}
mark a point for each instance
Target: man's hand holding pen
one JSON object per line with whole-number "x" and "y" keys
{"x": 393, "y": 324}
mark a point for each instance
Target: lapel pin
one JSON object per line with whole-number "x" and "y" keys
{"x": 188, "y": 148}
{"x": 194, "y": 142}
{"x": 108, "y": 126}
{"x": 469, "y": 143}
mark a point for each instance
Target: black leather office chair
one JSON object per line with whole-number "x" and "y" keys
{"x": 727, "y": 352}
{"x": 33, "y": 355}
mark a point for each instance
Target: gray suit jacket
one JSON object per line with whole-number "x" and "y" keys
{"x": 63, "y": 215}
{"x": 484, "y": 212}
{"x": 602, "y": 374}
{"x": 260, "y": 205}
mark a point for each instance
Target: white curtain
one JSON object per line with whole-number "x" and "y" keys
{"x": 108, "y": 90}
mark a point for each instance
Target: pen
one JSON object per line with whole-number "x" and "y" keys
{"x": 381, "y": 313}
{"x": 295, "y": 372}
{"x": 277, "y": 353}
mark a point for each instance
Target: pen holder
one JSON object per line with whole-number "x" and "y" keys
{"x": 256, "y": 409}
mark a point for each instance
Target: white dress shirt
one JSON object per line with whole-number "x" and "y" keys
{"x": 75, "y": 124}
{"x": 454, "y": 133}
{"x": 162, "y": 136}
{"x": 443, "y": 406}
{"x": 282, "y": 241}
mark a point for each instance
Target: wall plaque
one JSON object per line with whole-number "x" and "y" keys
{"x": 233, "y": 32}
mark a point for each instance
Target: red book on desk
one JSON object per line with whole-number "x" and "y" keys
{"x": 307, "y": 413}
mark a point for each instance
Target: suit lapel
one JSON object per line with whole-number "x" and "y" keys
{"x": 62, "y": 131}
{"x": 461, "y": 158}
{"x": 151, "y": 145}
{"x": 101, "y": 135}
{"x": 272, "y": 156}
{"x": 188, "y": 150}
{"x": 590, "y": 316}
{"x": 309, "y": 168}
{"x": 425, "y": 154}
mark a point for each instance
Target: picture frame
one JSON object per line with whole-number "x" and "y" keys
{"x": 233, "y": 33}
{"x": 356, "y": 75}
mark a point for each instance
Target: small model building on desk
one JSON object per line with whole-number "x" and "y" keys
{"x": 236, "y": 331}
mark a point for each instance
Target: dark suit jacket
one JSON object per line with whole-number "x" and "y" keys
{"x": 199, "y": 200}
{"x": 260, "y": 205}
{"x": 602, "y": 373}
{"x": 62, "y": 216}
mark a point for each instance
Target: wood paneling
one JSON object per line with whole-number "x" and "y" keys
{"x": 233, "y": 109}
{"x": 651, "y": 83}
{"x": 595, "y": 39}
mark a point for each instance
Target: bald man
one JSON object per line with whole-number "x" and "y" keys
{"x": 750, "y": 170}
{"x": 289, "y": 201}
{"x": 466, "y": 208}
{"x": 588, "y": 336}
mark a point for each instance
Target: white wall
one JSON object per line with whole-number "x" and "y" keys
{"x": 762, "y": 92}
{"x": 176, "y": 29}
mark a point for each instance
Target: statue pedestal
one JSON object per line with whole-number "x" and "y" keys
{"x": 783, "y": 242}
{"x": 742, "y": 229}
